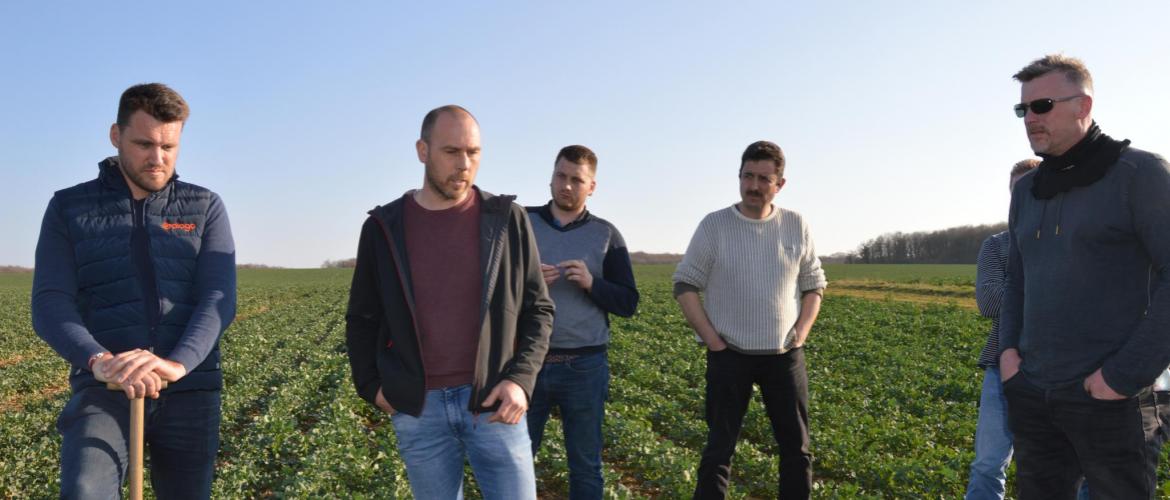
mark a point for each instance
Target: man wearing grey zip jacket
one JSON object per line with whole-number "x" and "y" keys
{"x": 1085, "y": 327}
{"x": 449, "y": 317}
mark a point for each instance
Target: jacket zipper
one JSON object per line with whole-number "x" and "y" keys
{"x": 152, "y": 329}
{"x": 489, "y": 286}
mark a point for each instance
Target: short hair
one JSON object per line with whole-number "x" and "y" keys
{"x": 432, "y": 116}
{"x": 764, "y": 150}
{"x": 1074, "y": 70}
{"x": 1023, "y": 166}
{"x": 580, "y": 155}
{"x": 155, "y": 99}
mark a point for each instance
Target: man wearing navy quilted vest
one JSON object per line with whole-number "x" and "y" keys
{"x": 135, "y": 282}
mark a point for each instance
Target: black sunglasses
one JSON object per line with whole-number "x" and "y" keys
{"x": 1041, "y": 106}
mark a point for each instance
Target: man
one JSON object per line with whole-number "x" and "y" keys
{"x": 135, "y": 283}
{"x": 762, "y": 284}
{"x": 448, "y": 318}
{"x": 993, "y": 440}
{"x": 588, "y": 273}
{"x": 1087, "y": 306}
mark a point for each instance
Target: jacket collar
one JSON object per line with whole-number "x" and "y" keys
{"x": 490, "y": 204}
{"x": 110, "y": 176}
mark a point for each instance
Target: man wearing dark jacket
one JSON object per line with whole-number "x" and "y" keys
{"x": 1085, "y": 325}
{"x": 135, "y": 283}
{"x": 449, "y": 317}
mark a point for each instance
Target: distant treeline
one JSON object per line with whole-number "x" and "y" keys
{"x": 336, "y": 264}
{"x": 257, "y": 266}
{"x": 655, "y": 258}
{"x": 635, "y": 258}
{"x": 956, "y": 245}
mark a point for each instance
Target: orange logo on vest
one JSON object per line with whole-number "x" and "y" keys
{"x": 167, "y": 226}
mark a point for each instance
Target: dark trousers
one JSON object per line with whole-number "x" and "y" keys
{"x": 784, "y": 385}
{"x": 182, "y": 437}
{"x": 1062, "y": 434}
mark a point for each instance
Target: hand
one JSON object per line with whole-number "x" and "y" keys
{"x": 147, "y": 386}
{"x": 1096, "y": 387}
{"x": 577, "y": 273}
{"x": 551, "y": 273}
{"x": 107, "y": 369}
{"x": 139, "y": 369}
{"x": 1009, "y": 364}
{"x": 801, "y": 337}
{"x": 382, "y": 404}
{"x": 513, "y": 402}
{"x": 100, "y": 368}
{"x": 717, "y": 345}
{"x": 135, "y": 364}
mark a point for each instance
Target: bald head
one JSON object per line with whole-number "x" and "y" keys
{"x": 453, "y": 110}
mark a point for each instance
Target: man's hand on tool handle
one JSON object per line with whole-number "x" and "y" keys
{"x": 139, "y": 372}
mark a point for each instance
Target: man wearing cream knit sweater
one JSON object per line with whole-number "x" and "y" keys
{"x": 761, "y": 284}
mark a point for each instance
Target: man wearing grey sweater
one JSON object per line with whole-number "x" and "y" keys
{"x": 761, "y": 284}
{"x": 1085, "y": 325}
{"x": 587, "y": 269}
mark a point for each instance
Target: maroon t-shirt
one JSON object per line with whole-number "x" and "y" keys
{"x": 443, "y": 249}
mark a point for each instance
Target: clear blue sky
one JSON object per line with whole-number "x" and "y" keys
{"x": 895, "y": 116}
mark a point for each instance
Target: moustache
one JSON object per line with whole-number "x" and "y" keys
{"x": 755, "y": 193}
{"x": 1033, "y": 130}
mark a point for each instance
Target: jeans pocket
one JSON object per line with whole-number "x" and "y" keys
{"x": 1014, "y": 383}
{"x": 588, "y": 364}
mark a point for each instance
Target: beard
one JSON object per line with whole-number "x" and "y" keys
{"x": 449, "y": 193}
{"x": 143, "y": 180}
{"x": 570, "y": 206}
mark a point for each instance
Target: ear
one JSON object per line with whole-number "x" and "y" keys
{"x": 115, "y": 135}
{"x": 1086, "y": 107}
{"x": 421, "y": 148}
{"x": 779, "y": 184}
{"x": 592, "y": 186}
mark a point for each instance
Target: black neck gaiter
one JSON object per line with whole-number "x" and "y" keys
{"x": 1083, "y": 164}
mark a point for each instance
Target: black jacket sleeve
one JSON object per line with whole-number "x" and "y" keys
{"x": 363, "y": 317}
{"x": 535, "y": 317}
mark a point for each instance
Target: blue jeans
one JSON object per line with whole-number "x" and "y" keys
{"x": 993, "y": 442}
{"x": 435, "y": 444}
{"x": 182, "y": 437}
{"x": 579, "y": 387}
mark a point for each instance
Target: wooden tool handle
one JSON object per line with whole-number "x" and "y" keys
{"x": 114, "y": 386}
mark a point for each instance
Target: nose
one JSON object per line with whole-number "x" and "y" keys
{"x": 157, "y": 156}
{"x": 1031, "y": 117}
{"x": 464, "y": 162}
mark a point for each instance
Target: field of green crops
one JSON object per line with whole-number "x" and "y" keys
{"x": 893, "y": 388}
